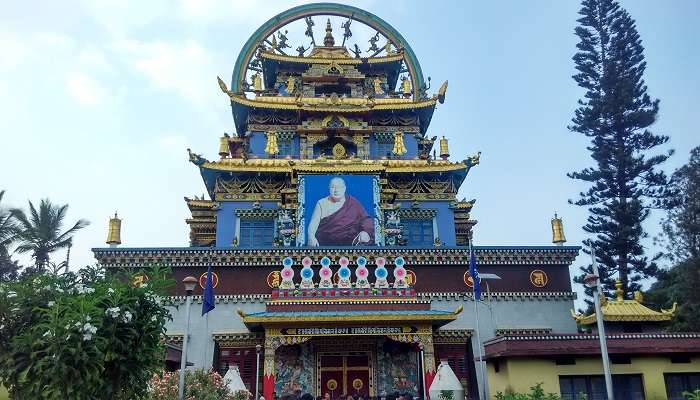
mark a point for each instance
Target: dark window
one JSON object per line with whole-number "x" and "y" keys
{"x": 418, "y": 232}
{"x": 256, "y": 232}
{"x": 620, "y": 359}
{"x": 340, "y": 90}
{"x": 564, "y": 360}
{"x": 676, "y": 384}
{"x": 285, "y": 148}
{"x": 680, "y": 359}
{"x": 383, "y": 150}
{"x": 626, "y": 387}
{"x": 244, "y": 359}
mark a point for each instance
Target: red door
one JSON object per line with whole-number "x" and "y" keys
{"x": 344, "y": 374}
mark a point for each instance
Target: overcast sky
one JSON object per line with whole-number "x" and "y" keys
{"x": 100, "y": 99}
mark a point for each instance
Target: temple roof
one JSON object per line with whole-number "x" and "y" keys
{"x": 323, "y": 58}
{"x": 621, "y": 310}
{"x": 436, "y": 317}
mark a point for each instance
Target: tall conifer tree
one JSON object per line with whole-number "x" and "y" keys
{"x": 615, "y": 113}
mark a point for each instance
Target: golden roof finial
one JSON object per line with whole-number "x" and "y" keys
{"x": 223, "y": 146}
{"x": 444, "y": 149}
{"x": 114, "y": 231}
{"x": 558, "y": 237}
{"x": 271, "y": 146}
{"x": 619, "y": 293}
{"x": 329, "y": 41}
{"x": 399, "y": 147}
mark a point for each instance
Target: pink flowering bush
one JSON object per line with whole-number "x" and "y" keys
{"x": 199, "y": 385}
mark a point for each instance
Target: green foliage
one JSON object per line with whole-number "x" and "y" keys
{"x": 679, "y": 285}
{"x": 85, "y": 335}
{"x": 199, "y": 385}
{"x": 9, "y": 270}
{"x": 694, "y": 395}
{"x": 39, "y": 233}
{"x": 536, "y": 393}
{"x": 447, "y": 395}
{"x": 615, "y": 113}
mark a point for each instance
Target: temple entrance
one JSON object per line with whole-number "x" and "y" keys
{"x": 345, "y": 374}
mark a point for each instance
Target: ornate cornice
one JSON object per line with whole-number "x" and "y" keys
{"x": 338, "y": 60}
{"x": 238, "y": 339}
{"x": 452, "y": 336}
{"x": 234, "y": 257}
{"x": 320, "y": 104}
{"x": 259, "y": 213}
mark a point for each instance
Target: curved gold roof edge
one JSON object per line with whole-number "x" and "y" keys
{"x": 338, "y": 108}
{"x": 342, "y": 61}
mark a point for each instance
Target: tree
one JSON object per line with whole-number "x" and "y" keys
{"x": 40, "y": 232}
{"x": 681, "y": 234}
{"x": 615, "y": 113}
{"x": 8, "y": 268}
{"x": 85, "y": 335}
{"x": 681, "y": 227}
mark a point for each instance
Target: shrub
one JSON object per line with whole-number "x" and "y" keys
{"x": 85, "y": 335}
{"x": 199, "y": 385}
{"x": 536, "y": 393}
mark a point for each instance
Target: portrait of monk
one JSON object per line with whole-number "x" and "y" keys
{"x": 340, "y": 219}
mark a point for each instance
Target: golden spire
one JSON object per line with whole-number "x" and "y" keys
{"x": 558, "y": 237}
{"x": 444, "y": 149}
{"x": 114, "y": 232}
{"x": 271, "y": 146}
{"x": 329, "y": 41}
{"x": 223, "y": 146}
{"x": 619, "y": 293}
{"x": 399, "y": 148}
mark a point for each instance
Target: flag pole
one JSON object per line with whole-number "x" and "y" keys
{"x": 598, "y": 291}
{"x": 482, "y": 393}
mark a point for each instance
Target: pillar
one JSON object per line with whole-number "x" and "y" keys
{"x": 269, "y": 368}
{"x": 428, "y": 361}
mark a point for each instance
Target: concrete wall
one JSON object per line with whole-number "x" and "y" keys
{"x": 519, "y": 374}
{"x": 497, "y": 313}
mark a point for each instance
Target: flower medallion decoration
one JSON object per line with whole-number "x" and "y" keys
{"x": 307, "y": 274}
{"x": 362, "y": 273}
{"x": 400, "y": 273}
{"x": 287, "y": 274}
{"x": 326, "y": 276}
{"x": 344, "y": 273}
{"x": 381, "y": 273}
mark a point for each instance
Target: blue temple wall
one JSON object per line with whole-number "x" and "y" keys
{"x": 444, "y": 219}
{"x": 409, "y": 141}
{"x": 257, "y": 144}
{"x": 226, "y": 219}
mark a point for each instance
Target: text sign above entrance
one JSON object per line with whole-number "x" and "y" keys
{"x": 349, "y": 330}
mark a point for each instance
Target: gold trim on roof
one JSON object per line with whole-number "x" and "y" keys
{"x": 332, "y": 165}
{"x": 327, "y": 104}
{"x": 621, "y": 310}
{"x": 297, "y": 318}
{"x": 339, "y": 60}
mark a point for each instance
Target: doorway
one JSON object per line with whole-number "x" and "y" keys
{"x": 345, "y": 374}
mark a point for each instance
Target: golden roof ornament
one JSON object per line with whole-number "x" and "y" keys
{"x": 377, "y": 84}
{"x": 399, "y": 147}
{"x": 291, "y": 81}
{"x": 329, "y": 41}
{"x": 257, "y": 82}
{"x": 114, "y": 231}
{"x": 223, "y": 146}
{"x": 444, "y": 149}
{"x": 619, "y": 293}
{"x": 405, "y": 87}
{"x": 339, "y": 151}
{"x": 442, "y": 92}
{"x": 271, "y": 145}
{"x": 558, "y": 237}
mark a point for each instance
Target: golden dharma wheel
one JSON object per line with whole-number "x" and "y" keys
{"x": 332, "y": 384}
{"x": 358, "y": 384}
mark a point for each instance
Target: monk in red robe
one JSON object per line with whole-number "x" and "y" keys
{"x": 340, "y": 220}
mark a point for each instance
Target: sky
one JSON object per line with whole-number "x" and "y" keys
{"x": 99, "y": 101}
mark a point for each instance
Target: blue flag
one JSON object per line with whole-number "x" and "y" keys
{"x": 474, "y": 273}
{"x": 208, "y": 303}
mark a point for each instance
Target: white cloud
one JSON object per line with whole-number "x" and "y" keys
{"x": 85, "y": 90}
{"x": 173, "y": 145}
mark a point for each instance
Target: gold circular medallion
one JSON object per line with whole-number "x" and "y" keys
{"x": 214, "y": 280}
{"x": 273, "y": 279}
{"x": 538, "y": 278}
{"x": 139, "y": 279}
{"x": 468, "y": 280}
{"x": 410, "y": 277}
{"x": 338, "y": 151}
{"x": 332, "y": 384}
{"x": 358, "y": 384}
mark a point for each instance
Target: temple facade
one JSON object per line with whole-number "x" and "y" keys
{"x": 339, "y": 246}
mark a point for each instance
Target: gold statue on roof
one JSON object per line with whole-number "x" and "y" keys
{"x": 291, "y": 82}
{"x": 377, "y": 84}
{"x": 405, "y": 86}
{"x": 257, "y": 82}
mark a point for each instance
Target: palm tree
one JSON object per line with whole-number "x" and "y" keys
{"x": 7, "y": 229}
{"x": 40, "y": 232}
